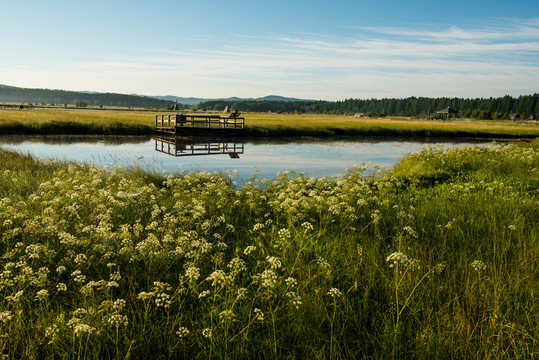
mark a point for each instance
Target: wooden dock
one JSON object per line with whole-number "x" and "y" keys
{"x": 178, "y": 146}
{"x": 204, "y": 124}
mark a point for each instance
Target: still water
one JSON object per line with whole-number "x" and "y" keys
{"x": 312, "y": 157}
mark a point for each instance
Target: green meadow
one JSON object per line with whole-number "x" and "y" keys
{"x": 108, "y": 122}
{"x": 435, "y": 259}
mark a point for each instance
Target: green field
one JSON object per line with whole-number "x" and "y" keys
{"x": 436, "y": 259}
{"x": 103, "y": 122}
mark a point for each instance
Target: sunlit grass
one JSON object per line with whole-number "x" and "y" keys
{"x": 257, "y": 124}
{"x": 434, "y": 259}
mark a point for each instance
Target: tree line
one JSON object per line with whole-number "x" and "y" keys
{"x": 10, "y": 94}
{"x": 479, "y": 108}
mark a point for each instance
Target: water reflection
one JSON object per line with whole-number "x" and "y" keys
{"x": 188, "y": 146}
{"x": 74, "y": 139}
{"x": 308, "y": 156}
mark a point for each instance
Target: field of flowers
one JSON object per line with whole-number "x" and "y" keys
{"x": 437, "y": 258}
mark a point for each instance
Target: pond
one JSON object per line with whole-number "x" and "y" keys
{"x": 312, "y": 157}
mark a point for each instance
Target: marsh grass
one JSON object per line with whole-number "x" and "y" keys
{"x": 106, "y": 122}
{"x": 434, "y": 259}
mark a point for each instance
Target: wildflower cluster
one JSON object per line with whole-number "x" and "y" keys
{"x": 105, "y": 257}
{"x": 397, "y": 258}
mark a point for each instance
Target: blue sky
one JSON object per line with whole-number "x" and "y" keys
{"x": 307, "y": 49}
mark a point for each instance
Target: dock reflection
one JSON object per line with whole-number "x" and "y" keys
{"x": 189, "y": 146}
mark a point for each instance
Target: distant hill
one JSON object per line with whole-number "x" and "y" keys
{"x": 195, "y": 101}
{"x": 12, "y": 94}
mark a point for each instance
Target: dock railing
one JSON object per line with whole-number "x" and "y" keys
{"x": 177, "y": 121}
{"x": 189, "y": 147}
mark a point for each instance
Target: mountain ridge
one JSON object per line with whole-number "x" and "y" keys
{"x": 10, "y": 93}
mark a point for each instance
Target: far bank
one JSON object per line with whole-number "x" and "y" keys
{"x": 129, "y": 122}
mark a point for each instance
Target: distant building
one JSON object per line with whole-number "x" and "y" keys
{"x": 514, "y": 116}
{"x": 359, "y": 115}
{"x": 446, "y": 112}
{"x": 532, "y": 117}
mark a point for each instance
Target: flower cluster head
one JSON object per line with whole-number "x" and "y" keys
{"x": 324, "y": 266}
{"x": 5, "y": 316}
{"x": 242, "y": 293}
{"x": 479, "y": 266}
{"x": 117, "y": 320}
{"x": 80, "y": 328}
{"x": 398, "y": 258}
{"x": 334, "y": 293}
{"x": 227, "y": 315}
{"x": 218, "y": 278}
{"x": 291, "y": 282}
{"x": 410, "y": 230}
{"x": 284, "y": 234}
{"x": 268, "y": 279}
{"x": 41, "y": 295}
{"x": 249, "y": 249}
{"x": 15, "y": 297}
{"x": 163, "y": 300}
{"x": 236, "y": 266}
{"x": 192, "y": 273}
{"x": 295, "y": 299}
{"x": 206, "y": 333}
{"x": 61, "y": 287}
{"x": 203, "y": 294}
{"x": 259, "y": 315}
{"x": 275, "y": 262}
{"x": 307, "y": 226}
{"x": 182, "y": 332}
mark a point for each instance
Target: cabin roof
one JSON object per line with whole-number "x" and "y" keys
{"x": 447, "y": 110}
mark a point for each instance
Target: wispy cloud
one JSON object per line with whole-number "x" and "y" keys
{"x": 492, "y": 60}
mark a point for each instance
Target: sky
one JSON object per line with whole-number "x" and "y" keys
{"x": 320, "y": 50}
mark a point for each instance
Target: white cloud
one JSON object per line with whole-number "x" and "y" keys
{"x": 373, "y": 62}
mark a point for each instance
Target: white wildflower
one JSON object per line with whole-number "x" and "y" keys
{"x": 61, "y": 287}
{"x": 249, "y": 249}
{"x": 203, "y": 294}
{"x": 275, "y": 262}
{"x": 307, "y": 226}
{"x": 192, "y": 273}
{"x": 398, "y": 258}
{"x": 206, "y": 333}
{"x": 479, "y": 266}
{"x": 268, "y": 279}
{"x": 16, "y": 297}
{"x": 295, "y": 299}
{"x": 242, "y": 293}
{"x": 218, "y": 278}
{"x": 291, "y": 282}
{"x": 334, "y": 293}
{"x": 284, "y": 234}
{"x": 182, "y": 332}
{"x": 41, "y": 295}
{"x": 227, "y": 315}
{"x": 5, "y": 316}
{"x": 259, "y": 315}
{"x": 117, "y": 320}
{"x": 80, "y": 259}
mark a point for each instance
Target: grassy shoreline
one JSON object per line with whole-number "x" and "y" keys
{"x": 86, "y": 122}
{"x": 436, "y": 259}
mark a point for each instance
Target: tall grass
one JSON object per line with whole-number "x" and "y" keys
{"x": 85, "y": 122}
{"x": 435, "y": 259}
